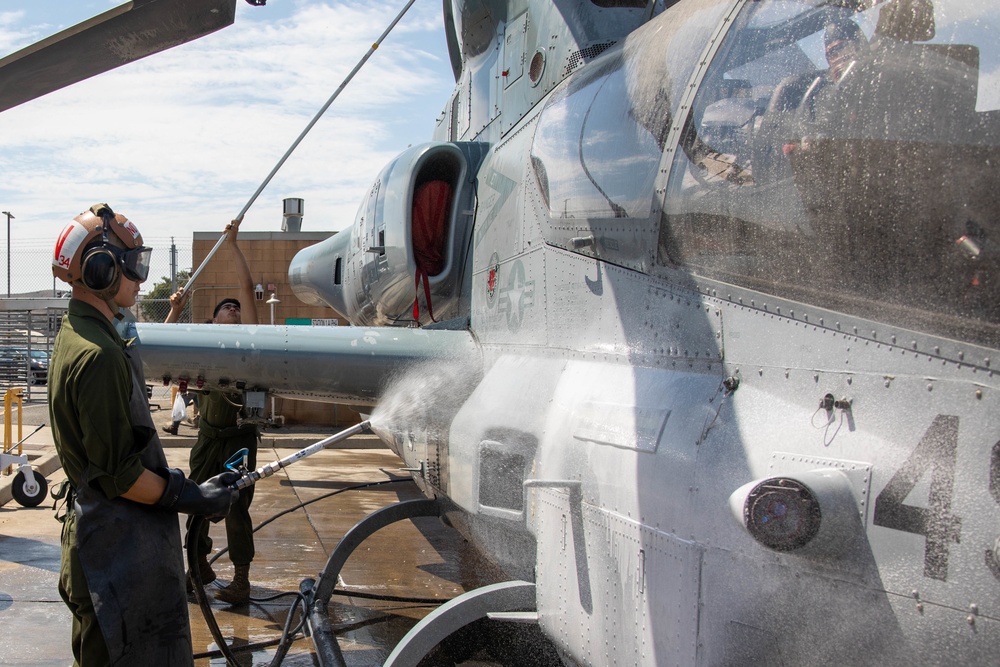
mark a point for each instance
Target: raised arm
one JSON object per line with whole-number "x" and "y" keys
{"x": 248, "y": 302}
{"x": 177, "y": 300}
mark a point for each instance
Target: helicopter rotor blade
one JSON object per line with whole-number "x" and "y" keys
{"x": 119, "y": 36}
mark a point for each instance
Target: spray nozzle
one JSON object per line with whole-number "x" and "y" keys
{"x": 238, "y": 461}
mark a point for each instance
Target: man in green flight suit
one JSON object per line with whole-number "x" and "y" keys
{"x": 122, "y": 568}
{"x": 221, "y": 435}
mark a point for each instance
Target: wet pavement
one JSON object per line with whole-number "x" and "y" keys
{"x": 301, "y": 513}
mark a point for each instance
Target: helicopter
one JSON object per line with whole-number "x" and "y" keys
{"x": 687, "y": 317}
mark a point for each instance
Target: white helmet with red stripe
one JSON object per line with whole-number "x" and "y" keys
{"x": 96, "y": 248}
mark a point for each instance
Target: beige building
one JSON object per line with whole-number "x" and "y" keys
{"x": 268, "y": 255}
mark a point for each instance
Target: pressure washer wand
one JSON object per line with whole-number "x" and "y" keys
{"x": 197, "y": 272}
{"x": 21, "y": 441}
{"x": 250, "y": 478}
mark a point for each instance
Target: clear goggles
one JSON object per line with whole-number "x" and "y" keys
{"x": 134, "y": 262}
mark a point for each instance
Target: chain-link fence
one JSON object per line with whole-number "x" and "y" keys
{"x": 29, "y": 273}
{"x": 26, "y": 335}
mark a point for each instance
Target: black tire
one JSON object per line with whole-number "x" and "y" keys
{"x": 24, "y": 494}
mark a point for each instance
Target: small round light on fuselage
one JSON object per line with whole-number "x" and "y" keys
{"x": 782, "y": 514}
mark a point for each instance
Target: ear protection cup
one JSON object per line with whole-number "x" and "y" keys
{"x": 100, "y": 271}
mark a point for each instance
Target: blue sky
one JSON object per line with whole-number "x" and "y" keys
{"x": 180, "y": 141}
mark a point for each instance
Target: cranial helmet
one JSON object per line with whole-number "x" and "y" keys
{"x": 97, "y": 248}
{"x": 845, "y": 30}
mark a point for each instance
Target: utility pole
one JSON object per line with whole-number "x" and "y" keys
{"x": 173, "y": 266}
{"x": 9, "y": 216}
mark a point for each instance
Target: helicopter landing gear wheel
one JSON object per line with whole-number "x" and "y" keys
{"x": 29, "y": 494}
{"x": 505, "y": 597}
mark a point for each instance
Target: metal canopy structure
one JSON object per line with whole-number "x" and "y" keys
{"x": 119, "y": 36}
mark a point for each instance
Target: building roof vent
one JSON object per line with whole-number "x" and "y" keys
{"x": 291, "y": 219}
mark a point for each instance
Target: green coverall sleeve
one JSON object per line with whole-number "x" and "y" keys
{"x": 103, "y": 388}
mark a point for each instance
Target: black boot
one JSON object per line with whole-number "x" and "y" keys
{"x": 238, "y": 591}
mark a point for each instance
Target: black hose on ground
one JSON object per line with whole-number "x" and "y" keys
{"x": 287, "y": 635}
{"x": 199, "y": 590}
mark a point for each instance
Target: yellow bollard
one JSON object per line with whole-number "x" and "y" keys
{"x": 13, "y": 395}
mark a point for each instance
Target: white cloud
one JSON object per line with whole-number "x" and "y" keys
{"x": 12, "y": 33}
{"x": 179, "y": 141}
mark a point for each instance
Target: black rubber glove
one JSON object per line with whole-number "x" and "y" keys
{"x": 211, "y": 498}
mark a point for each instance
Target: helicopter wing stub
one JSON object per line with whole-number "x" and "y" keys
{"x": 119, "y": 36}
{"x": 349, "y": 365}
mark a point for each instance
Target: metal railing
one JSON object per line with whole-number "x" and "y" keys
{"x": 27, "y": 330}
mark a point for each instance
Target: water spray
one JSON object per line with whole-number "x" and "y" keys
{"x": 251, "y": 477}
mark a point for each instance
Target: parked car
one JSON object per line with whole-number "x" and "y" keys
{"x": 17, "y": 366}
{"x": 39, "y": 367}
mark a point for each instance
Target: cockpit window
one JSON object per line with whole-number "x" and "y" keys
{"x": 593, "y": 156}
{"x": 848, "y": 159}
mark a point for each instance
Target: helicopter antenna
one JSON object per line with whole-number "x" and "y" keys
{"x": 301, "y": 136}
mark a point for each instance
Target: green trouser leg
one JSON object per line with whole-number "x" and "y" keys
{"x": 208, "y": 458}
{"x": 89, "y": 647}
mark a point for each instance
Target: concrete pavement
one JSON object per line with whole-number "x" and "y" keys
{"x": 301, "y": 513}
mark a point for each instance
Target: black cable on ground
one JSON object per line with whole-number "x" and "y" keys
{"x": 346, "y": 592}
{"x": 287, "y": 636}
{"x": 194, "y": 571}
{"x": 256, "y": 646}
{"x": 344, "y": 627}
{"x": 291, "y": 509}
{"x": 340, "y": 591}
{"x": 270, "y": 642}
